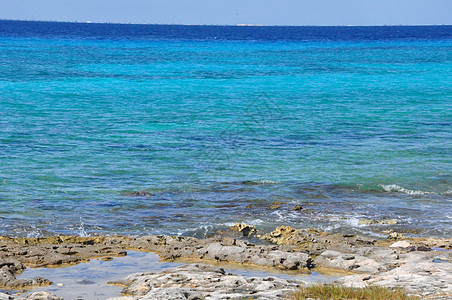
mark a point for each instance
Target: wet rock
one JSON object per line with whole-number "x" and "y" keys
{"x": 245, "y": 229}
{"x": 377, "y": 222}
{"x": 275, "y": 205}
{"x": 11, "y": 267}
{"x": 197, "y": 281}
{"x": 139, "y": 194}
{"x": 297, "y": 207}
{"x": 52, "y": 251}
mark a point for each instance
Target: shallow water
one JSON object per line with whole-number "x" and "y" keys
{"x": 350, "y": 123}
{"x": 90, "y": 280}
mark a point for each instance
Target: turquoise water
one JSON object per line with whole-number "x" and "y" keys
{"x": 348, "y": 129}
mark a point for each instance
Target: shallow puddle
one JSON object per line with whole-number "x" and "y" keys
{"x": 90, "y": 280}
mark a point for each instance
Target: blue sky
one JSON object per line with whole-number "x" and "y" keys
{"x": 265, "y": 12}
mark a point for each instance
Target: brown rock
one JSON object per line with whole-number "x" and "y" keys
{"x": 245, "y": 229}
{"x": 297, "y": 207}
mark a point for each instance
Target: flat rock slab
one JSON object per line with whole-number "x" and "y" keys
{"x": 44, "y": 295}
{"x": 225, "y": 250}
{"x": 427, "y": 274}
{"x": 198, "y": 281}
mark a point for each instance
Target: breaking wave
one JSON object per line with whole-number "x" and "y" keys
{"x": 400, "y": 189}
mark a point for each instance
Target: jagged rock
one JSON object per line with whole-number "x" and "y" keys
{"x": 297, "y": 207}
{"x": 9, "y": 268}
{"x": 245, "y": 229}
{"x": 12, "y": 265}
{"x": 395, "y": 236}
{"x": 197, "y": 281}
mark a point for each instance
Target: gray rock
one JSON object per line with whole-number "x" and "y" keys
{"x": 343, "y": 261}
{"x": 423, "y": 273}
{"x": 197, "y": 281}
{"x": 228, "y": 250}
{"x": 4, "y": 296}
{"x": 44, "y": 295}
{"x": 9, "y": 267}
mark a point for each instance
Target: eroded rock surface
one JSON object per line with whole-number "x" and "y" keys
{"x": 425, "y": 273}
{"x": 52, "y": 251}
{"x": 9, "y": 268}
{"x": 198, "y": 281}
{"x": 314, "y": 241}
{"x": 44, "y": 295}
{"x": 225, "y": 250}
{"x": 410, "y": 262}
{"x": 245, "y": 229}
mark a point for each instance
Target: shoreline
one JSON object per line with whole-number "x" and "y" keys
{"x": 421, "y": 265}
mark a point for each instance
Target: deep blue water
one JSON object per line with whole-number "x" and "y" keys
{"x": 217, "y": 122}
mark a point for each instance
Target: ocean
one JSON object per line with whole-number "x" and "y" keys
{"x": 219, "y": 123}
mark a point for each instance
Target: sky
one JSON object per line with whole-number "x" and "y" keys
{"x": 263, "y": 12}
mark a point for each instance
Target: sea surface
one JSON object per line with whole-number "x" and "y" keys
{"x": 219, "y": 122}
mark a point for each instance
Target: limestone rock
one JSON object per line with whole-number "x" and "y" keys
{"x": 395, "y": 236}
{"x": 400, "y": 244}
{"x": 197, "y": 281}
{"x": 9, "y": 268}
{"x": 245, "y": 229}
{"x": 44, "y": 295}
{"x": 4, "y": 296}
{"x": 423, "y": 273}
{"x": 349, "y": 262}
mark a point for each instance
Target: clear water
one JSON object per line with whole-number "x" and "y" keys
{"x": 348, "y": 122}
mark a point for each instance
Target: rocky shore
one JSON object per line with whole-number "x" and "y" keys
{"x": 421, "y": 265}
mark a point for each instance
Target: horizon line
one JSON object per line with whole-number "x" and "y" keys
{"x": 232, "y": 25}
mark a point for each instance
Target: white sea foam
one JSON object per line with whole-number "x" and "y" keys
{"x": 260, "y": 182}
{"x": 255, "y": 222}
{"x": 448, "y": 192}
{"x": 265, "y": 181}
{"x": 34, "y": 233}
{"x": 401, "y": 189}
{"x": 82, "y": 231}
{"x": 353, "y": 222}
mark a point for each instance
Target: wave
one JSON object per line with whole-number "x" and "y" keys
{"x": 259, "y": 182}
{"x": 401, "y": 189}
